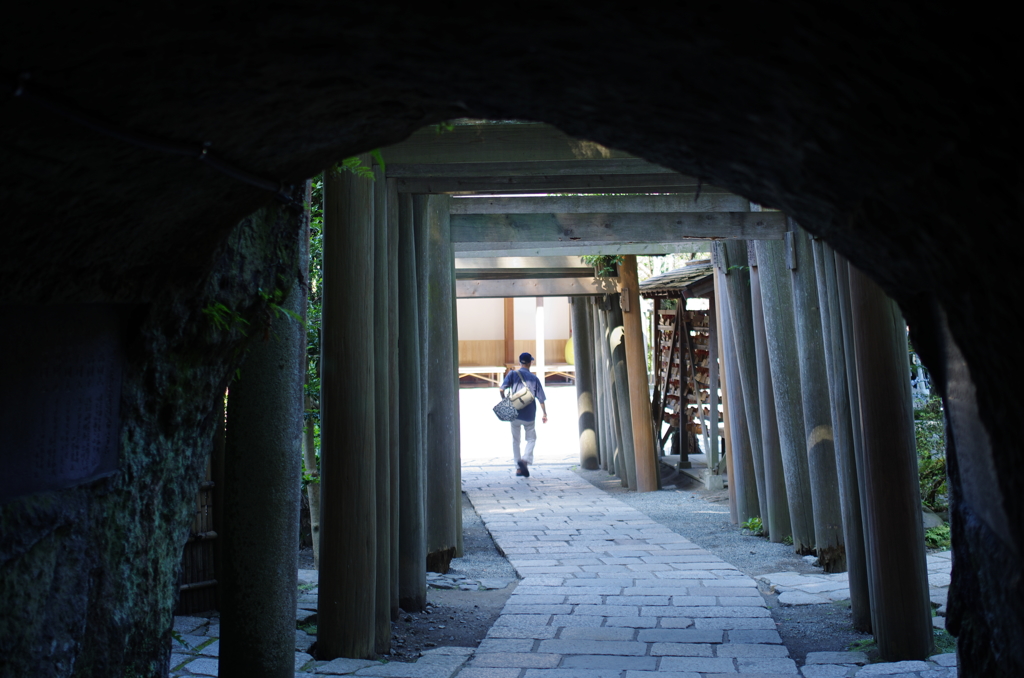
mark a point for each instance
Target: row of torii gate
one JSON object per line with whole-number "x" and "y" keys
{"x": 390, "y": 469}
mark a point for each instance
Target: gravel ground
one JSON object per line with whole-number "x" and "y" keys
{"x": 454, "y": 617}
{"x": 481, "y": 558}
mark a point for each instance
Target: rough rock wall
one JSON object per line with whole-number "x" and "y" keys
{"x": 89, "y": 575}
{"x": 891, "y": 130}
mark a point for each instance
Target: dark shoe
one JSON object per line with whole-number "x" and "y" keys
{"x": 518, "y": 472}
{"x": 523, "y": 471}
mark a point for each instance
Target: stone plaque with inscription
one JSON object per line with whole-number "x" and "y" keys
{"x": 60, "y": 391}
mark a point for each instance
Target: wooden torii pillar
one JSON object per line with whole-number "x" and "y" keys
{"x": 636, "y": 365}
{"x": 510, "y": 332}
{"x": 348, "y": 546}
{"x": 898, "y": 575}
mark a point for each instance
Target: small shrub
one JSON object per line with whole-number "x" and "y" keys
{"x": 604, "y": 264}
{"x": 944, "y": 642}
{"x": 788, "y": 540}
{"x": 931, "y": 474}
{"x": 863, "y": 645}
{"x": 929, "y": 435}
{"x": 755, "y": 526}
{"x": 937, "y": 537}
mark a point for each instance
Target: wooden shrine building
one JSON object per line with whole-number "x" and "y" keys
{"x": 685, "y": 403}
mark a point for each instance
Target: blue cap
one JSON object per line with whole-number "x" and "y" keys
{"x": 525, "y": 358}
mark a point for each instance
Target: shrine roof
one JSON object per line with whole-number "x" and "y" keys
{"x": 685, "y": 281}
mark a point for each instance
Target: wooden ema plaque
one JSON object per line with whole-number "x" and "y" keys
{"x": 59, "y": 396}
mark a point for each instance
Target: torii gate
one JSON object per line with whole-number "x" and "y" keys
{"x": 477, "y": 175}
{"x": 426, "y": 207}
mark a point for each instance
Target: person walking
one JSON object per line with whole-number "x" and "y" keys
{"x": 527, "y": 418}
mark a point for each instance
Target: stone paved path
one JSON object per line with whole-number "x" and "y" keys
{"x": 797, "y": 588}
{"x": 606, "y": 592}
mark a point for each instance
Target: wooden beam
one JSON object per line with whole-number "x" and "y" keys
{"x": 382, "y": 412}
{"x": 710, "y": 432}
{"x": 842, "y": 431}
{"x": 440, "y": 369}
{"x": 576, "y": 248}
{"x": 583, "y": 350}
{"x": 639, "y": 393}
{"x": 348, "y": 537}
{"x": 737, "y": 288}
{"x": 716, "y": 370}
{"x": 412, "y": 549}
{"x": 900, "y": 609}
{"x": 484, "y": 142}
{"x": 547, "y": 287}
{"x": 625, "y": 465}
{"x": 774, "y": 474}
{"x": 578, "y": 183}
{"x": 540, "y": 355}
{"x": 510, "y": 329}
{"x": 780, "y": 332}
{"x": 628, "y": 227}
{"x": 739, "y": 464}
{"x": 688, "y": 201}
{"x": 503, "y": 168}
{"x": 818, "y": 433}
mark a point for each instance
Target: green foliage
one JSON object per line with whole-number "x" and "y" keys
{"x": 604, "y": 264}
{"x": 932, "y": 478}
{"x": 273, "y": 301}
{"x": 863, "y": 645}
{"x": 307, "y": 476}
{"x": 308, "y": 628}
{"x": 937, "y": 537}
{"x": 788, "y": 540}
{"x": 929, "y": 435}
{"x": 225, "y": 319}
{"x": 356, "y": 167}
{"x": 181, "y": 639}
{"x": 755, "y": 525}
{"x": 930, "y": 410}
{"x": 314, "y": 307}
{"x": 376, "y": 155}
{"x": 945, "y": 643}
{"x": 443, "y": 127}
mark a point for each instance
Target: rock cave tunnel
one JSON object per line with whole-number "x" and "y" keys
{"x": 889, "y": 131}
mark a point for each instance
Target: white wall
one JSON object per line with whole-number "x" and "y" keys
{"x": 481, "y": 319}
{"x": 556, "y": 317}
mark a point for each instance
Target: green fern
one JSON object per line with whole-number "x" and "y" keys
{"x": 355, "y": 166}
{"x": 225, "y": 319}
{"x": 604, "y": 264}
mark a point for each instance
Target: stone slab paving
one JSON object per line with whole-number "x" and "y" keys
{"x": 796, "y": 588}
{"x": 606, "y": 591}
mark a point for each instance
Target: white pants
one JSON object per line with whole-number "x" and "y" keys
{"x": 531, "y": 439}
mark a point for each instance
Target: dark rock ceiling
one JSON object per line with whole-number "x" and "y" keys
{"x": 825, "y": 116}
